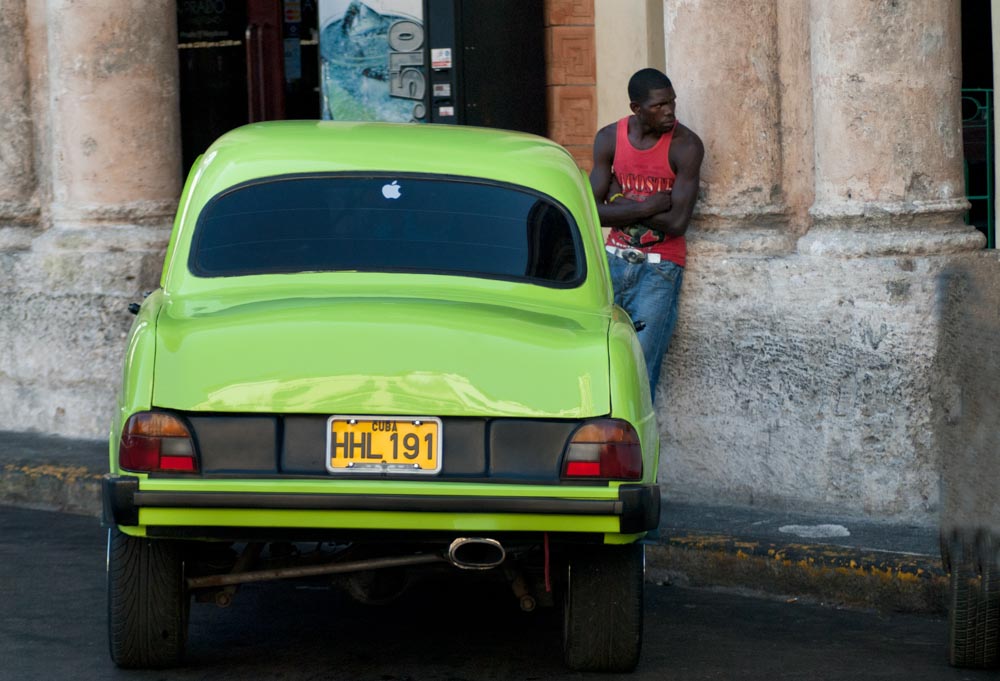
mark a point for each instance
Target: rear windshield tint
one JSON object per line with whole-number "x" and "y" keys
{"x": 386, "y": 224}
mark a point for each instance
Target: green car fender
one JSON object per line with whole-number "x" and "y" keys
{"x": 136, "y": 392}
{"x": 628, "y": 378}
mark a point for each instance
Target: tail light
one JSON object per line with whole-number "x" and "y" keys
{"x": 155, "y": 442}
{"x": 605, "y": 449}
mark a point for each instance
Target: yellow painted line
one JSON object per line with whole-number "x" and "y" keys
{"x": 62, "y": 473}
{"x": 816, "y": 557}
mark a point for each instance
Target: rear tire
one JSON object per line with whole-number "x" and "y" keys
{"x": 974, "y": 609}
{"x": 603, "y": 609}
{"x": 148, "y": 602}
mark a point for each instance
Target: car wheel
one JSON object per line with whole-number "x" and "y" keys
{"x": 974, "y": 609}
{"x": 974, "y": 605}
{"x": 603, "y": 609}
{"x": 148, "y": 603}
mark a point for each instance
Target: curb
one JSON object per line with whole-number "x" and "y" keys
{"x": 858, "y": 577}
{"x": 48, "y": 487}
{"x": 883, "y": 580}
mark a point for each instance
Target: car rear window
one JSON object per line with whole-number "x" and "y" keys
{"x": 386, "y": 224}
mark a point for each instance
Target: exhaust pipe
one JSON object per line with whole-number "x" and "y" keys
{"x": 335, "y": 568}
{"x": 476, "y": 553}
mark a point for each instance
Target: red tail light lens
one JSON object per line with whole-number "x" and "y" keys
{"x": 606, "y": 449}
{"x": 154, "y": 442}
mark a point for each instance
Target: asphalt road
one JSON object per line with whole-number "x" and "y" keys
{"x": 52, "y": 626}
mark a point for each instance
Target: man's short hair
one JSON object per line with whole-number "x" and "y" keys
{"x": 644, "y": 80}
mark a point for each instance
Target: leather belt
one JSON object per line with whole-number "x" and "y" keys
{"x": 633, "y": 255}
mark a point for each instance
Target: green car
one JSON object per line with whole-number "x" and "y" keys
{"x": 380, "y": 353}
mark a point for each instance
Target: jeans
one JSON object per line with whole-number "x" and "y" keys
{"x": 649, "y": 294}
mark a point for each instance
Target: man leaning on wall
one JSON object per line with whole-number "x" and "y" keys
{"x": 645, "y": 179}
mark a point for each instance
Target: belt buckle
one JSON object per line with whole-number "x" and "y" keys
{"x": 633, "y": 256}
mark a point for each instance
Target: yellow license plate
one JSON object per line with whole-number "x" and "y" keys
{"x": 396, "y": 444}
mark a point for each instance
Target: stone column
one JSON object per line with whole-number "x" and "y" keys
{"x": 723, "y": 59}
{"x": 104, "y": 83}
{"x": 113, "y": 79}
{"x": 17, "y": 176}
{"x": 888, "y": 142}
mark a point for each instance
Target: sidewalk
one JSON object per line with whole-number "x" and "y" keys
{"x": 837, "y": 560}
{"x": 830, "y": 559}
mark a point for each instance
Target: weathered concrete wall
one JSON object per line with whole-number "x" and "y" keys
{"x": 105, "y": 163}
{"x": 63, "y": 302}
{"x": 805, "y": 381}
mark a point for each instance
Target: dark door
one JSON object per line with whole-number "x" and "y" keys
{"x": 503, "y": 64}
{"x": 495, "y": 74}
{"x": 243, "y": 61}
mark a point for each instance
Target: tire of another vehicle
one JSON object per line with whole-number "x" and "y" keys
{"x": 603, "y": 609}
{"x": 148, "y": 603}
{"x": 974, "y": 609}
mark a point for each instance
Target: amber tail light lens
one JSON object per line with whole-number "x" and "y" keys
{"x": 154, "y": 442}
{"x": 605, "y": 449}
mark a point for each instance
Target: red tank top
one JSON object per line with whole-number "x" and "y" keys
{"x": 641, "y": 173}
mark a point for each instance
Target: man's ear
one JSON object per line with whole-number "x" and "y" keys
{"x": 634, "y": 106}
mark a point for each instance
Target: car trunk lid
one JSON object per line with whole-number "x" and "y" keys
{"x": 382, "y": 356}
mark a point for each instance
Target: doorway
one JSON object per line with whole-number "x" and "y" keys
{"x": 978, "y": 115}
{"x": 243, "y": 61}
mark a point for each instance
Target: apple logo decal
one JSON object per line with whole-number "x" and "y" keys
{"x": 391, "y": 191}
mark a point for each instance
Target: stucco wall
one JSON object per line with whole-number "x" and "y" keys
{"x": 628, "y": 36}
